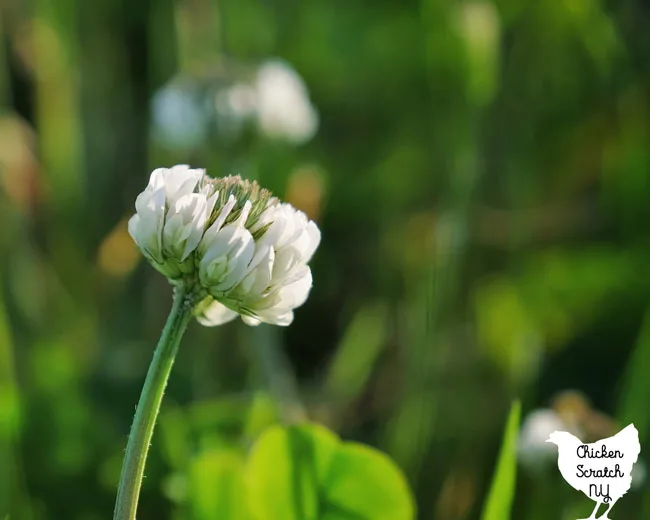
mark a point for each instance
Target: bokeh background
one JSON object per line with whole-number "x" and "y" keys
{"x": 480, "y": 173}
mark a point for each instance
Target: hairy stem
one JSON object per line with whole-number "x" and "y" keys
{"x": 149, "y": 405}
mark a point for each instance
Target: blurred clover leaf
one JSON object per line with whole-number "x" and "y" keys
{"x": 305, "y": 472}
{"x": 217, "y": 486}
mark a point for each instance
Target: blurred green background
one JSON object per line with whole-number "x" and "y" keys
{"x": 480, "y": 171}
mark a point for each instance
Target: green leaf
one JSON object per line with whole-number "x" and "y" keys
{"x": 305, "y": 472}
{"x": 216, "y": 485}
{"x": 364, "y": 483}
{"x": 636, "y": 385}
{"x": 502, "y": 490}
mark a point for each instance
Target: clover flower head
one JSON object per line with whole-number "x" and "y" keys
{"x": 242, "y": 251}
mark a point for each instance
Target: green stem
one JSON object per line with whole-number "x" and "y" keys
{"x": 149, "y": 405}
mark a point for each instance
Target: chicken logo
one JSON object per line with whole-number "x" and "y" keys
{"x": 602, "y": 470}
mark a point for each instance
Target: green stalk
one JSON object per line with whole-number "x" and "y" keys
{"x": 147, "y": 411}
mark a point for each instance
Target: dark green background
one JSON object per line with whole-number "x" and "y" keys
{"x": 481, "y": 179}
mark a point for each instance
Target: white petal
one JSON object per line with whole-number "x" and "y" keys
{"x": 284, "y": 320}
{"x": 296, "y": 221}
{"x": 314, "y": 241}
{"x": 275, "y": 215}
{"x": 243, "y": 216}
{"x": 266, "y": 218}
{"x": 296, "y": 253}
{"x": 211, "y": 202}
{"x": 290, "y": 227}
{"x": 216, "y": 314}
{"x": 150, "y": 201}
{"x": 180, "y": 180}
{"x": 146, "y": 229}
{"x": 296, "y": 293}
{"x": 226, "y": 258}
{"x": 259, "y": 275}
{"x": 250, "y": 321}
{"x": 288, "y": 296}
{"x": 176, "y": 181}
{"x": 183, "y": 230}
{"x": 156, "y": 179}
{"x": 133, "y": 226}
{"x": 218, "y": 223}
{"x": 274, "y": 318}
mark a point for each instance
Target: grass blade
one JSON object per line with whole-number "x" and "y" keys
{"x": 502, "y": 489}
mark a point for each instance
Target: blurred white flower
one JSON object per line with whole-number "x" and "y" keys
{"x": 277, "y": 100}
{"x": 239, "y": 100}
{"x": 240, "y": 250}
{"x": 179, "y": 119}
{"x": 533, "y": 451}
{"x": 234, "y": 105}
{"x": 283, "y": 106}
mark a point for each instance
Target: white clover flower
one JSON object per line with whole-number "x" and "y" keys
{"x": 239, "y": 250}
{"x": 276, "y": 99}
{"x": 532, "y": 449}
{"x": 179, "y": 119}
{"x": 283, "y": 106}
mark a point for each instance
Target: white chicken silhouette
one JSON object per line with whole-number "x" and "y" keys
{"x": 602, "y": 470}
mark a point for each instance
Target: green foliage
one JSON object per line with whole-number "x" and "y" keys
{"x": 633, "y": 403}
{"x": 480, "y": 177}
{"x": 358, "y": 352}
{"x": 306, "y": 473}
{"x": 502, "y": 490}
{"x": 505, "y": 329}
{"x": 216, "y": 485}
